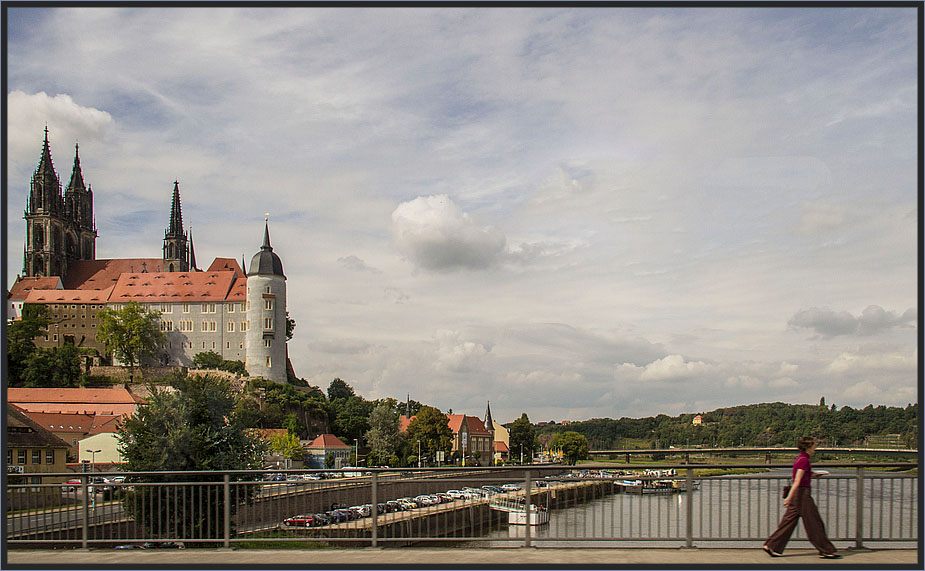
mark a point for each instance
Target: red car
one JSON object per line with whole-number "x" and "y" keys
{"x": 306, "y": 520}
{"x": 71, "y": 485}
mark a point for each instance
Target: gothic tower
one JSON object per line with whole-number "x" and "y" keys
{"x": 265, "y": 342}
{"x": 59, "y": 228}
{"x": 176, "y": 249}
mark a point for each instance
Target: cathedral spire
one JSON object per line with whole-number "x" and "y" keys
{"x": 176, "y": 215}
{"x": 176, "y": 245}
{"x": 488, "y": 422}
{"x": 77, "y": 177}
{"x": 192, "y": 252}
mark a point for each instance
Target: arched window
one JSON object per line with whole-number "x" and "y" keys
{"x": 38, "y": 237}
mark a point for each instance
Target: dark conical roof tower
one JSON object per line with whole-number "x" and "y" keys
{"x": 176, "y": 215}
{"x": 77, "y": 177}
{"x": 176, "y": 247}
{"x": 488, "y": 421}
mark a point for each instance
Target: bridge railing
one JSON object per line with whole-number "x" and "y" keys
{"x": 677, "y": 505}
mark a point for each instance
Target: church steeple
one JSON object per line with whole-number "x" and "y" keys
{"x": 77, "y": 178}
{"x": 192, "y": 251}
{"x": 488, "y": 421}
{"x": 176, "y": 248}
{"x": 176, "y": 215}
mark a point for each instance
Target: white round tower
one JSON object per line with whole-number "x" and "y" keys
{"x": 265, "y": 342}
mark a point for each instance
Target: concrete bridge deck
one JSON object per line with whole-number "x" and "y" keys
{"x": 457, "y": 557}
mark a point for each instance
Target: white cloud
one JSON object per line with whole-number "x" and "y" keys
{"x": 873, "y": 360}
{"x": 669, "y": 368}
{"x": 457, "y": 355}
{"x": 435, "y": 234}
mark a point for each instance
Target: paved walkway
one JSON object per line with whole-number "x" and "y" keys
{"x": 402, "y": 557}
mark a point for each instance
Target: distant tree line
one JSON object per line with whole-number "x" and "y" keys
{"x": 766, "y": 424}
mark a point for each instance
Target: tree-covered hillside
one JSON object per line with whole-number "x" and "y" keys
{"x": 767, "y": 424}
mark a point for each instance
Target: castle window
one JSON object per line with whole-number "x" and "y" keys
{"x": 230, "y": 308}
{"x": 268, "y": 304}
{"x": 268, "y": 289}
{"x": 268, "y": 362}
{"x": 185, "y": 308}
{"x": 268, "y": 323}
{"x": 166, "y": 308}
{"x": 244, "y": 325}
{"x": 231, "y": 327}
{"x": 242, "y": 306}
{"x": 208, "y": 308}
{"x": 267, "y": 343}
{"x": 241, "y": 345}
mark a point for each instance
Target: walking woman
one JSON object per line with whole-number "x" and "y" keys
{"x": 799, "y": 503}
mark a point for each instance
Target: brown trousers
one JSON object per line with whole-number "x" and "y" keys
{"x": 801, "y": 506}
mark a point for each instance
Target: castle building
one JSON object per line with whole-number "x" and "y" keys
{"x": 239, "y": 316}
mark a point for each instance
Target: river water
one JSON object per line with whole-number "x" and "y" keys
{"x": 730, "y": 512}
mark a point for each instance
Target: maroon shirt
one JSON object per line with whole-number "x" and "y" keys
{"x": 802, "y": 463}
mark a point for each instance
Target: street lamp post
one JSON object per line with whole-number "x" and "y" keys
{"x": 419, "y": 453}
{"x": 93, "y": 459}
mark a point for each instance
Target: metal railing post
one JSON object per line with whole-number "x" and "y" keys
{"x": 859, "y": 510}
{"x": 227, "y": 527}
{"x": 374, "y": 499}
{"x": 689, "y": 534}
{"x": 527, "y": 508}
{"x": 85, "y": 524}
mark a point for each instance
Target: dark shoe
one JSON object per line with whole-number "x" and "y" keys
{"x": 829, "y": 556}
{"x": 771, "y": 552}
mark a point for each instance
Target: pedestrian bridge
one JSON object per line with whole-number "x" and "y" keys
{"x": 869, "y": 505}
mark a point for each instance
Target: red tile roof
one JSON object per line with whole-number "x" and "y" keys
{"x": 501, "y": 446}
{"x": 454, "y": 421}
{"x": 226, "y": 264}
{"x": 86, "y": 422}
{"x": 68, "y": 296}
{"x": 23, "y": 286}
{"x": 327, "y": 441}
{"x": 37, "y": 435}
{"x": 107, "y": 402}
{"x": 102, "y": 274}
{"x": 172, "y": 287}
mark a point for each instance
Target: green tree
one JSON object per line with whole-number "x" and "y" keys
{"x": 21, "y": 336}
{"x": 55, "y": 367}
{"x": 207, "y": 360}
{"x": 383, "y": 436}
{"x": 132, "y": 334}
{"x": 432, "y": 429}
{"x": 338, "y": 389}
{"x": 522, "y": 433}
{"x": 190, "y": 429}
{"x": 288, "y": 446}
{"x": 290, "y": 327}
{"x": 574, "y": 446}
{"x": 351, "y": 417}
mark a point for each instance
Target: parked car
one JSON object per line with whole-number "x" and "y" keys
{"x": 456, "y": 494}
{"x": 72, "y": 485}
{"x": 323, "y": 518}
{"x": 394, "y": 506}
{"x": 492, "y": 489}
{"x": 312, "y": 477}
{"x": 444, "y": 497}
{"x": 303, "y": 520}
{"x": 293, "y": 479}
{"x": 337, "y": 516}
{"x": 510, "y": 487}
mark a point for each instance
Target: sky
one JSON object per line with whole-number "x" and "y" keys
{"x": 569, "y": 212}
